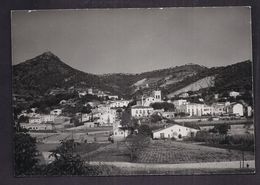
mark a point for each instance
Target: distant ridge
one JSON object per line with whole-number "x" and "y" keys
{"x": 39, "y": 75}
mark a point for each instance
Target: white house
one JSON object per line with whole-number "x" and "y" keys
{"x": 207, "y": 110}
{"x": 200, "y": 109}
{"x": 174, "y": 131}
{"x": 56, "y": 112}
{"x": 249, "y": 111}
{"x": 179, "y": 102}
{"x": 235, "y": 108}
{"x": 82, "y": 93}
{"x": 86, "y": 117}
{"x": 47, "y": 118}
{"x": 101, "y": 94}
{"x": 119, "y": 103}
{"x": 234, "y": 94}
{"x": 120, "y": 134}
{"x": 184, "y": 95}
{"x": 107, "y": 119}
{"x": 41, "y": 118}
{"x": 37, "y": 127}
{"x": 90, "y": 91}
{"x": 219, "y": 108}
{"x": 141, "y": 111}
{"x": 168, "y": 115}
{"x": 35, "y": 120}
{"x": 193, "y": 109}
{"x": 115, "y": 97}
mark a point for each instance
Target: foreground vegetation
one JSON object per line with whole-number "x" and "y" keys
{"x": 245, "y": 142}
{"x": 66, "y": 160}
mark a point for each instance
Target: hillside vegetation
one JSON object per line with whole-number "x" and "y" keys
{"x": 45, "y": 72}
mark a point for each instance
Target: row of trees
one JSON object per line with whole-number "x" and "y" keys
{"x": 218, "y": 136}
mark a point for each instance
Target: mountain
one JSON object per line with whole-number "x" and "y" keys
{"x": 132, "y": 84}
{"x": 46, "y": 72}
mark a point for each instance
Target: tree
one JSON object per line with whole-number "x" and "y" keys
{"x": 24, "y": 119}
{"x": 145, "y": 130}
{"x": 155, "y": 118}
{"x": 125, "y": 118}
{"x": 164, "y": 105}
{"x": 76, "y": 122}
{"x": 67, "y": 162}
{"x": 135, "y": 144}
{"x": 221, "y": 129}
{"x": 86, "y": 109}
{"x": 25, "y": 153}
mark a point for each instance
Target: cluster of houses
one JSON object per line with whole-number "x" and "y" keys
{"x": 191, "y": 111}
{"x": 97, "y": 92}
{"x": 44, "y": 122}
{"x": 216, "y": 109}
{"x": 102, "y": 114}
{"x": 143, "y": 108}
{"x": 106, "y": 114}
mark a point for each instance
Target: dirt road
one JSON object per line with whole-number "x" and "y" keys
{"x": 205, "y": 165}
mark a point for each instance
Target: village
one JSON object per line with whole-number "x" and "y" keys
{"x": 107, "y": 121}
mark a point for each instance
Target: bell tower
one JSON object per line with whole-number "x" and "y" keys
{"x": 157, "y": 95}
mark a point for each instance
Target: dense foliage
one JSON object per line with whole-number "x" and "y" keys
{"x": 164, "y": 105}
{"x": 66, "y": 160}
{"x": 25, "y": 153}
{"x": 221, "y": 129}
{"x": 145, "y": 130}
{"x": 240, "y": 142}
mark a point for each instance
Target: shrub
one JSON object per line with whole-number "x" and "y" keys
{"x": 145, "y": 130}
{"x": 221, "y": 129}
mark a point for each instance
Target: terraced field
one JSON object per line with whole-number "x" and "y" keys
{"x": 180, "y": 152}
{"x": 168, "y": 152}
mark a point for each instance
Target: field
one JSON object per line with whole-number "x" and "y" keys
{"x": 169, "y": 152}
{"x": 180, "y": 152}
{"x": 89, "y": 135}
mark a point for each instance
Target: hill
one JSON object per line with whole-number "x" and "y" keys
{"x": 45, "y": 72}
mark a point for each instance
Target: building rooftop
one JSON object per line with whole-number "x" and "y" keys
{"x": 170, "y": 125}
{"x": 140, "y": 107}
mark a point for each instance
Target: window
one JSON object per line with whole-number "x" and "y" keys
{"x": 162, "y": 135}
{"x": 115, "y": 133}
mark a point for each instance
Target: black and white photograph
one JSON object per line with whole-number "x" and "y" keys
{"x": 132, "y": 91}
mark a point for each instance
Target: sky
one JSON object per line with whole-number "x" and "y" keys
{"x": 134, "y": 40}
